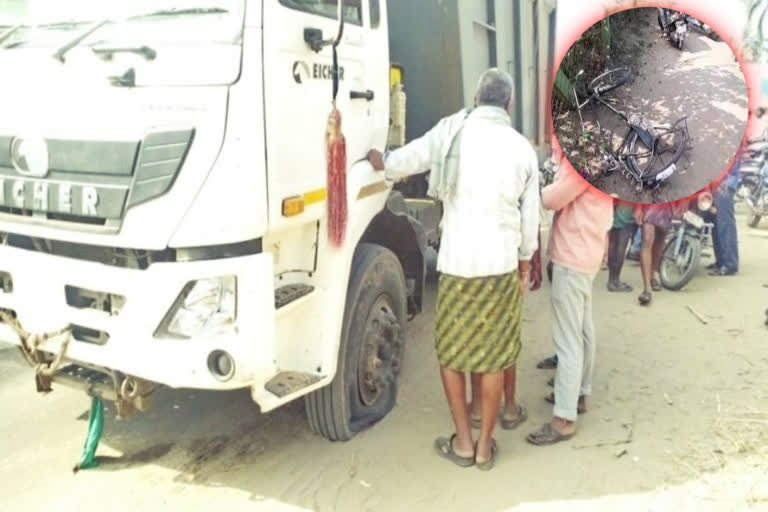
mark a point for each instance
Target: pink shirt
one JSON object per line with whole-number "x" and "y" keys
{"x": 583, "y": 217}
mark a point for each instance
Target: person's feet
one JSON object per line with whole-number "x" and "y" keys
{"x": 633, "y": 256}
{"x": 550, "y": 363}
{"x": 645, "y": 298}
{"x": 655, "y": 285}
{"x": 484, "y": 451}
{"x": 618, "y": 286}
{"x": 513, "y": 416}
{"x": 722, "y": 271}
{"x": 553, "y": 432}
{"x": 712, "y": 266}
{"x": 450, "y": 448}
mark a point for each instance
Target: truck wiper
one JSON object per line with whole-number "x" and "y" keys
{"x": 8, "y": 33}
{"x": 59, "y": 55}
{"x": 187, "y": 12}
{"x": 107, "y": 53}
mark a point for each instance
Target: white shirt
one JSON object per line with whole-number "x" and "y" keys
{"x": 493, "y": 220}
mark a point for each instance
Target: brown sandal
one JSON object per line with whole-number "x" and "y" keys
{"x": 549, "y": 363}
{"x": 547, "y": 435}
{"x": 444, "y": 448}
{"x": 511, "y": 424}
{"x": 488, "y": 464}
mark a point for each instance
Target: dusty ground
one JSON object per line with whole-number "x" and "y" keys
{"x": 703, "y": 82}
{"x": 687, "y": 402}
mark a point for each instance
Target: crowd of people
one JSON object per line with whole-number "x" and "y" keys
{"x": 486, "y": 175}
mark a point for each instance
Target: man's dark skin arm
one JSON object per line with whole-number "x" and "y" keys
{"x": 536, "y": 267}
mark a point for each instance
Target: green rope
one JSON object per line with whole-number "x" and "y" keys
{"x": 95, "y": 428}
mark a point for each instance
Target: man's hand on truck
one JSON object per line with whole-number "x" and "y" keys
{"x": 376, "y": 159}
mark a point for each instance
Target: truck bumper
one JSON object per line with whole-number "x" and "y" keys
{"x": 39, "y": 301}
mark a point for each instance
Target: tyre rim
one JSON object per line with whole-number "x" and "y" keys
{"x": 674, "y": 267}
{"x": 380, "y": 352}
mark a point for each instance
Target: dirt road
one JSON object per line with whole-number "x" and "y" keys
{"x": 703, "y": 82}
{"x": 687, "y": 402}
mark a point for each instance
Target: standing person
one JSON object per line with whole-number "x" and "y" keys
{"x": 637, "y": 246}
{"x": 514, "y": 413}
{"x": 579, "y": 231}
{"x": 725, "y": 234}
{"x": 486, "y": 175}
{"x": 622, "y": 231}
{"x": 655, "y": 221}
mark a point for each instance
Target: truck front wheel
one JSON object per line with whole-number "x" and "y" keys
{"x": 371, "y": 351}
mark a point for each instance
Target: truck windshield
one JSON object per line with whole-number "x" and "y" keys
{"x": 51, "y": 23}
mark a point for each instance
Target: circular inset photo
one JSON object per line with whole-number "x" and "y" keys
{"x": 650, "y": 105}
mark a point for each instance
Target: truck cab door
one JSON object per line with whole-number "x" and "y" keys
{"x": 298, "y": 93}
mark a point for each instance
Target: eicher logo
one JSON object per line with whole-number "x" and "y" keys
{"x": 29, "y": 156}
{"x": 303, "y": 72}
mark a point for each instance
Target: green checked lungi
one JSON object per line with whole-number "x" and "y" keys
{"x": 479, "y": 322}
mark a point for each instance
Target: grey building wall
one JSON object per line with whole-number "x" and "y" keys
{"x": 424, "y": 39}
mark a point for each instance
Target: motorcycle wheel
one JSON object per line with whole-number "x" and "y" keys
{"x": 673, "y": 276}
{"x": 754, "y": 220}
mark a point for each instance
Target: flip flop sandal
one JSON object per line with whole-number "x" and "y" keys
{"x": 655, "y": 285}
{"x": 522, "y": 415}
{"x": 547, "y": 435}
{"x": 644, "y": 299}
{"x": 488, "y": 464}
{"x": 444, "y": 448}
{"x": 550, "y": 398}
{"x": 549, "y": 363}
{"x": 619, "y": 287}
{"x": 551, "y": 382}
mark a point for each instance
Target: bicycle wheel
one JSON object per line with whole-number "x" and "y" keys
{"x": 649, "y": 163}
{"x": 608, "y": 81}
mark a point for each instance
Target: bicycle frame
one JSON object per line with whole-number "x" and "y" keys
{"x": 615, "y": 158}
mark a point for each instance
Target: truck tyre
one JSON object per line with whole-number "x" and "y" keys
{"x": 364, "y": 389}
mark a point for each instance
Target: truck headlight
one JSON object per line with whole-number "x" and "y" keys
{"x": 203, "y": 308}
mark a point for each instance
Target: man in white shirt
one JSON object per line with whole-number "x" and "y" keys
{"x": 486, "y": 175}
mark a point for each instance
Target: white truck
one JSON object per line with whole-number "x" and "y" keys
{"x": 163, "y": 189}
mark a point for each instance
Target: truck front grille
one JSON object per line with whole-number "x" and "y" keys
{"x": 91, "y": 182}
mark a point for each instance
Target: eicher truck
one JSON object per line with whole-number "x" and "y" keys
{"x": 164, "y": 188}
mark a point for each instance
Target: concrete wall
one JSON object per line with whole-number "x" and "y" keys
{"x": 424, "y": 39}
{"x": 444, "y": 50}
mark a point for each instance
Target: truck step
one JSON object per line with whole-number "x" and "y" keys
{"x": 285, "y": 383}
{"x": 291, "y": 292}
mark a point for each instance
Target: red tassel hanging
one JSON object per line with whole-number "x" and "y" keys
{"x": 336, "y": 148}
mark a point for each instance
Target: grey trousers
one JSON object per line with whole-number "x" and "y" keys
{"x": 573, "y": 333}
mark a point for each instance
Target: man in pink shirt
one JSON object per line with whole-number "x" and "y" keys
{"x": 583, "y": 217}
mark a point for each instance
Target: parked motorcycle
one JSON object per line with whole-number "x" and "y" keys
{"x": 674, "y": 25}
{"x": 685, "y": 243}
{"x": 702, "y": 27}
{"x": 753, "y": 181}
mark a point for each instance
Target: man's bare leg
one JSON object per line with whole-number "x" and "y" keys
{"x": 491, "y": 388}
{"x": 454, "y": 386}
{"x": 658, "y": 250}
{"x": 646, "y": 261}
{"x": 619, "y": 239}
{"x": 511, "y": 411}
{"x": 474, "y": 405}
